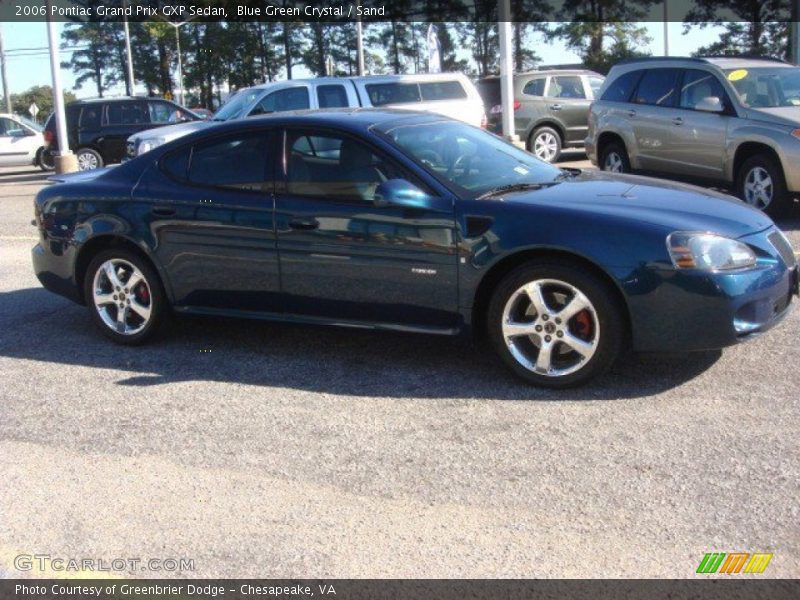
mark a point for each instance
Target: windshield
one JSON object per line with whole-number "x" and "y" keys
{"x": 33, "y": 125}
{"x": 234, "y": 108}
{"x": 473, "y": 160}
{"x": 767, "y": 87}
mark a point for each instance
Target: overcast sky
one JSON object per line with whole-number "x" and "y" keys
{"x": 27, "y": 71}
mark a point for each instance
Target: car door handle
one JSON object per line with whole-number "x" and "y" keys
{"x": 677, "y": 121}
{"x": 303, "y": 224}
{"x": 555, "y": 107}
{"x": 631, "y": 113}
{"x": 163, "y": 211}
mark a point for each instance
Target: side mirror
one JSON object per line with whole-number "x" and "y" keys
{"x": 401, "y": 192}
{"x": 710, "y": 104}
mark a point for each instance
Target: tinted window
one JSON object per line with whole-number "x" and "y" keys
{"x": 6, "y": 126}
{"x": 697, "y": 86}
{"x": 535, "y": 87}
{"x": 239, "y": 162}
{"x": 566, "y": 86}
{"x": 176, "y": 163}
{"x": 331, "y": 96}
{"x": 126, "y": 113}
{"x": 90, "y": 117}
{"x": 657, "y": 87}
{"x": 489, "y": 89}
{"x": 621, "y": 88}
{"x": 392, "y": 93}
{"x": 283, "y": 100}
{"x": 442, "y": 90}
{"x": 336, "y": 167}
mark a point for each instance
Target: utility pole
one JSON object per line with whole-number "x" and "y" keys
{"x": 129, "y": 54}
{"x": 6, "y": 92}
{"x": 360, "y": 45}
{"x": 65, "y": 160}
{"x": 506, "y": 70}
{"x": 795, "y": 32}
{"x": 666, "y": 30}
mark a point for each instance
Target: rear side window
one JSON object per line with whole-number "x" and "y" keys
{"x": 126, "y": 113}
{"x": 621, "y": 88}
{"x": 442, "y": 90}
{"x": 332, "y": 96}
{"x": 699, "y": 85}
{"x": 392, "y": 93}
{"x": 176, "y": 164}
{"x": 535, "y": 87}
{"x": 657, "y": 87}
{"x": 238, "y": 162}
{"x": 90, "y": 117}
{"x": 566, "y": 86}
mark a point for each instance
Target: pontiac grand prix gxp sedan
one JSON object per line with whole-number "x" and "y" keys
{"x": 409, "y": 221}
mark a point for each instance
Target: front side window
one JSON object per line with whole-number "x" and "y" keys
{"x": 7, "y": 126}
{"x": 767, "y": 87}
{"x": 441, "y": 90}
{"x": 282, "y": 101}
{"x": 381, "y": 94}
{"x": 335, "y": 166}
{"x": 239, "y": 162}
{"x": 535, "y": 87}
{"x": 236, "y": 104}
{"x": 657, "y": 87}
{"x": 332, "y": 96}
{"x": 473, "y": 160}
{"x": 698, "y": 86}
{"x": 164, "y": 112}
{"x": 566, "y": 86}
{"x": 126, "y": 113}
{"x": 90, "y": 117}
{"x": 621, "y": 88}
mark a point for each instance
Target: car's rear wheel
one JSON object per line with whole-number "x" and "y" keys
{"x": 545, "y": 144}
{"x": 44, "y": 160}
{"x": 761, "y": 184}
{"x": 88, "y": 159}
{"x": 124, "y": 295}
{"x": 555, "y": 324}
{"x": 615, "y": 158}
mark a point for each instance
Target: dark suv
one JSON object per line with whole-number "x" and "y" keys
{"x": 97, "y": 129}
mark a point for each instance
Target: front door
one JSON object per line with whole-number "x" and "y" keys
{"x": 345, "y": 258}
{"x": 17, "y": 145}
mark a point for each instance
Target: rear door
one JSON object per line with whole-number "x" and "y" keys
{"x": 120, "y": 121}
{"x": 566, "y": 101}
{"x": 653, "y": 116}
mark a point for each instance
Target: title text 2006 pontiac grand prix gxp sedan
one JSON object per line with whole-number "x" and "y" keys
{"x": 413, "y": 222}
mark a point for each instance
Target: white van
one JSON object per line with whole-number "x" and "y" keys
{"x": 449, "y": 94}
{"x": 21, "y": 142}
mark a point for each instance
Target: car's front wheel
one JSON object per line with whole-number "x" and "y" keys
{"x": 88, "y": 159}
{"x": 124, "y": 295}
{"x": 761, "y": 185}
{"x": 555, "y": 324}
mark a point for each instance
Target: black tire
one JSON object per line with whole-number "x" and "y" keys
{"x": 545, "y": 133}
{"x": 610, "y": 322}
{"x": 156, "y": 296}
{"x": 615, "y": 149}
{"x": 781, "y": 201}
{"x": 44, "y": 160}
{"x": 92, "y": 156}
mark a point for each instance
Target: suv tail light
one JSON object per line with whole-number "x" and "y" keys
{"x": 48, "y": 136}
{"x": 517, "y": 104}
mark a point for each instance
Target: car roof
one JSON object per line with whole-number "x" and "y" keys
{"x": 545, "y": 72}
{"x": 115, "y": 99}
{"x": 721, "y": 62}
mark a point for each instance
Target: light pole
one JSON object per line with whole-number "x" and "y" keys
{"x": 6, "y": 92}
{"x": 177, "y": 27}
{"x": 129, "y": 54}
{"x": 65, "y": 160}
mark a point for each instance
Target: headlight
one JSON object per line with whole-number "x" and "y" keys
{"x": 147, "y": 145}
{"x": 708, "y": 252}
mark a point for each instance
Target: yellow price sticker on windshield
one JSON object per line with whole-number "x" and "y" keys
{"x": 737, "y": 74}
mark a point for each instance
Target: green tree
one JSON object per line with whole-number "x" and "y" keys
{"x": 42, "y": 95}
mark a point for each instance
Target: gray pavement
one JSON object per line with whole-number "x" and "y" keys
{"x": 268, "y": 450}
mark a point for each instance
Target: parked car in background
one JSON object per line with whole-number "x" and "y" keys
{"x": 97, "y": 129}
{"x": 389, "y": 220}
{"x": 203, "y": 113}
{"x": 21, "y": 142}
{"x": 727, "y": 121}
{"x": 449, "y": 94}
{"x": 551, "y": 108}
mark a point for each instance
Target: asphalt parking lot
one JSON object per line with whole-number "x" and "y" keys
{"x": 268, "y": 450}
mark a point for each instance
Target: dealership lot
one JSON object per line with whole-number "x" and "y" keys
{"x": 259, "y": 449}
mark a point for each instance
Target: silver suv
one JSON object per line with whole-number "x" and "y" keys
{"x": 734, "y": 121}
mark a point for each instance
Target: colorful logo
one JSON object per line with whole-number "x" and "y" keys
{"x": 734, "y": 562}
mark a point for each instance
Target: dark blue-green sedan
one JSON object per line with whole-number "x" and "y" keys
{"x": 412, "y": 222}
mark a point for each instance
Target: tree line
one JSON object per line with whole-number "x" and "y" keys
{"x": 233, "y": 55}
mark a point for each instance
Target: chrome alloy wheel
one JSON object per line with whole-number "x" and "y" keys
{"x": 613, "y": 163}
{"x": 550, "y": 327}
{"x": 545, "y": 146}
{"x": 758, "y": 188}
{"x": 122, "y": 297}
{"x": 87, "y": 161}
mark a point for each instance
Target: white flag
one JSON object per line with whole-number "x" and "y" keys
{"x": 434, "y": 50}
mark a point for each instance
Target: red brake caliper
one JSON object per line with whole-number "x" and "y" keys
{"x": 583, "y": 323}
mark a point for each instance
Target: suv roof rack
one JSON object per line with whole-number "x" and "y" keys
{"x": 745, "y": 56}
{"x": 626, "y": 61}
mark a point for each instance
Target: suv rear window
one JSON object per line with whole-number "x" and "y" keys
{"x": 657, "y": 87}
{"x": 442, "y": 90}
{"x": 392, "y": 93}
{"x": 620, "y": 89}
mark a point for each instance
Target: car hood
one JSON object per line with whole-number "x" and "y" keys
{"x": 670, "y": 205}
{"x": 783, "y": 115}
{"x": 170, "y": 132}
